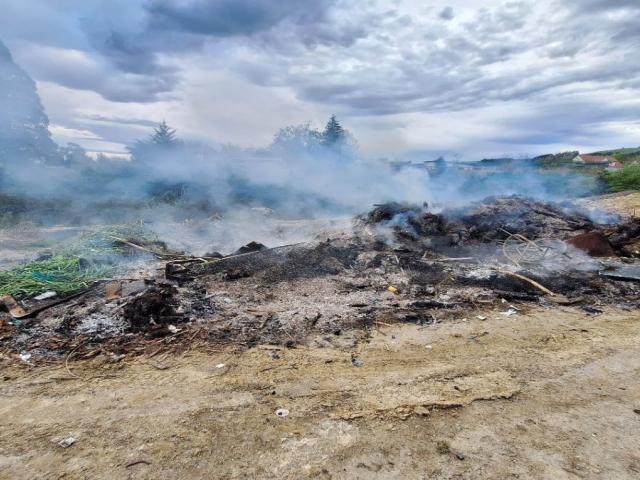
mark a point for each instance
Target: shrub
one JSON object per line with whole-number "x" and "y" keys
{"x": 628, "y": 178}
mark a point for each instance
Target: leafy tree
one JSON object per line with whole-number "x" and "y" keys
{"x": 333, "y": 135}
{"x": 297, "y": 138}
{"x": 304, "y": 139}
{"x": 24, "y": 126}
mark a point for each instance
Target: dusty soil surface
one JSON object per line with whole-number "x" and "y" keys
{"x": 549, "y": 394}
{"x": 624, "y": 203}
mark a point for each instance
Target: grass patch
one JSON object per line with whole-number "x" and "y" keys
{"x": 62, "y": 274}
{"x": 108, "y": 241}
{"x": 97, "y": 255}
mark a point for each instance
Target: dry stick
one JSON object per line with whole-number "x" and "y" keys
{"x": 190, "y": 260}
{"x": 137, "y": 462}
{"x": 528, "y": 280}
{"x": 192, "y": 338}
{"x": 209, "y": 260}
{"x": 279, "y": 247}
{"x": 148, "y": 250}
{"x": 528, "y": 243}
{"x": 382, "y": 323}
{"x": 139, "y": 247}
{"x": 156, "y": 352}
{"x": 507, "y": 255}
{"x": 66, "y": 362}
{"x": 455, "y": 259}
{"x": 195, "y": 334}
{"x": 186, "y": 258}
{"x": 426, "y": 259}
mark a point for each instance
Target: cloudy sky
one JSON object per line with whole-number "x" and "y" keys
{"x": 424, "y": 76}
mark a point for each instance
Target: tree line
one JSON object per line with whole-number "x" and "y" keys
{"x": 334, "y": 138}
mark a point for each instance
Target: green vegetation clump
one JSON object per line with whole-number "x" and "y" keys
{"x": 61, "y": 273}
{"x": 94, "y": 257}
{"x": 628, "y": 178}
{"x": 113, "y": 241}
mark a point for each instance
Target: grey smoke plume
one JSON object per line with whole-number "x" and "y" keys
{"x": 300, "y": 176}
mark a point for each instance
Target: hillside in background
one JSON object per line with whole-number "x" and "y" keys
{"x": 555, "y": 159}
{"x": 624, "y": 155}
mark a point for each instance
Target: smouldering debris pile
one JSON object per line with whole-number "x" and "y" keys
{"x": 396, "y": 263}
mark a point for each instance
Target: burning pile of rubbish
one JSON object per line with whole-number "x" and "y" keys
{"x": 398, "y": 263}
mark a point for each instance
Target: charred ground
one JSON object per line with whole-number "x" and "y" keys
{"x": 397, "y": 263}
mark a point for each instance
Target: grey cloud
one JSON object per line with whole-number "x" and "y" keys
{"x": 461, "y": 75}
{"x": 355, "y": 58}
{"x": 578, "y": 121}
{"x": 495, "y": 23}
{"x": 446, "y": 13}
{"x": 628, "y": 30}
{"x": 79, "y": 71}
{"x": 171, "y": 26}
{"x": 168, "y": 27}
{"x": 121, "y": 121}
{"x": 231, "y": 17}
{"x": 33, "y": 28}
{"x": 589, "y": 5}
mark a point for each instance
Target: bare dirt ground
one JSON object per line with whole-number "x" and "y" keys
{"x": 624, "y": 203}
{"x": 547, "y": 394}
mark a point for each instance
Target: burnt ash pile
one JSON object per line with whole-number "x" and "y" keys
{"x": 485, "y": 244}
{"x": 491, "y": 221}
{"x": 153, "y": 309}
{"x": 397, "y": 263}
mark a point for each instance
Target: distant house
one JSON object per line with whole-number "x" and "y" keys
{"x": 594, "y": 159}
{"x": 615, "y": 165}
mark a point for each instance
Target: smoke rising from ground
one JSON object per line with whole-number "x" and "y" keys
{"x": 205, "y": 197}
{"x": 256, "y": 189}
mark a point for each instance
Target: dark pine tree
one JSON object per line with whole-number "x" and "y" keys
{"x": 333, "y": 135}
{"x": 164, "y": 135}
{"x": 163, "y": 140}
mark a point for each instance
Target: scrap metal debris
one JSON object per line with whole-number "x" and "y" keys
{"x": 595, "y": 244}
{"x": 623, "y": 272}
